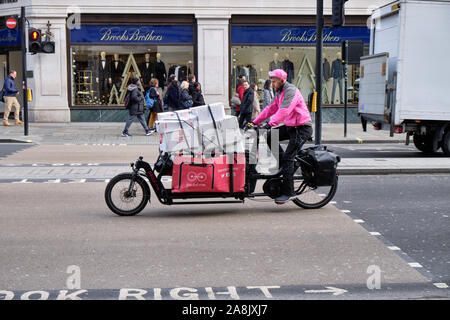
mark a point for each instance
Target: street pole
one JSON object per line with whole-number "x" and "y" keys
{"x": 24, "y": 69}
{"x": 319, "y": 28}
{"x": 344, "y": 61}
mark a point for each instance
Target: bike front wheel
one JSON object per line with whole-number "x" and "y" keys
{"x": 119, "y": 198}
{"x": 314, "y": 197}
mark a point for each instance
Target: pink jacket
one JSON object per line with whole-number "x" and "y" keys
{"x": 288, "y": 107}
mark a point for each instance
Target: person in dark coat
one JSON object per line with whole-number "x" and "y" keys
{"x": 197, "y": 96}
{"x": 136, "y": 109}
{"x": 185, "y": 100}
{"x": 172, "y": 94}
{"x": 246, "y": 109}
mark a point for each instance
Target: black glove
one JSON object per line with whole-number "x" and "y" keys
{"x": 267, "y": 126}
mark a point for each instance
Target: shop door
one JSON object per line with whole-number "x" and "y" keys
{"x": 3, "y": 74}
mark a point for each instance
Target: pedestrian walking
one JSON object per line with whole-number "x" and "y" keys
{"x": 246, "y": 109}
{"x": 153, "y": 103}
{"x": 268, "y": 94}
{"x": 256, "y": 105}
{"x": 192, "y": 80}
{"x": 10, "y": 93}
{"x": 172, "y": 94}
{"x": 135, "y": 107}
{"x": 197, "y": 96}
{"x": 185, "y": 100}
{"x": 240, "y": 91}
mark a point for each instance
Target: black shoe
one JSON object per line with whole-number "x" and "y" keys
{"x": 285, "y": 198}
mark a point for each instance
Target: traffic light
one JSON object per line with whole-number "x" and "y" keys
{"x": 34, "y": 40}
{"x": 37, "y": 42}
{"x": 337, "y": 10}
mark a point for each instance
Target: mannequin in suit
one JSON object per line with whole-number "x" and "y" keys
{"x": 117, "y": 68}
{"x": 160, "y": 71}
{"x": 103, "y": 77}
{"x": 288, "y": 66}
{"x": 147, "y": 70}
{"x": 337, "y": 73}
{"x": 275, "y": 64}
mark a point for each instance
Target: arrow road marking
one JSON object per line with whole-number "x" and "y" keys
{"x": 335, "y": 291}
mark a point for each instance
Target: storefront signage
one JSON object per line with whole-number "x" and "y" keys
{"x": 295, "y": 35}
{"x": 10, "y": 37}
{"x": 132, "y": 34}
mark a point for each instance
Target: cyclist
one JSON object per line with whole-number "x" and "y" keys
{"x": 292, "y": 121}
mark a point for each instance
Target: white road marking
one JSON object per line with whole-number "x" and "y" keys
{"x": 441, "y": 285}
{"x": 375, "y": 233}
{"x": 335, "y": 291}
{"x": 346, "y": 211}
{"x": 394, "y": 248}
{"x": 358, "y": 220}
{"x": 53, "y": 181}
{"x": 23, "y": 181}
{"x": 415, "y": 265}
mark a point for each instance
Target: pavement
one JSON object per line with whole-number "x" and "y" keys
{"x": 110, "y": 133}
{"x": 77, "y": 139}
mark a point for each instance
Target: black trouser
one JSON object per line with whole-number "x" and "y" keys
{"x": 297, "y": 136}
{"x": 244, "y": 118}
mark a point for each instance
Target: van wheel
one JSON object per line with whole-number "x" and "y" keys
{"x": 446, "y": 143}
{"x": 424, "y": 142}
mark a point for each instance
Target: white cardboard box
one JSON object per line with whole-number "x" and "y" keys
{"x": 203, "y": 115}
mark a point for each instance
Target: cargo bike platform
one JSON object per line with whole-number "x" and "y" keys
{"x": 219, "y": 178}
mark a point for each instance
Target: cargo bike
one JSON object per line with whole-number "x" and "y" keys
{"x": 222, "y": 179}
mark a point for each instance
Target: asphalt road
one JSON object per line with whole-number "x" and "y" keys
{"x": 7, "y": 149}
{"x": 255, "y": 250}
{"x": 412, "y": 212}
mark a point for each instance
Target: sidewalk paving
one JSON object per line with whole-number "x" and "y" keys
{"x": 79, "y": 137}
{"x": 110, "y": 133}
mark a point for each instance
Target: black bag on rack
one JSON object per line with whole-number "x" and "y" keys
{"x": 164, "y": 165}
{"x": 320, "y": 167}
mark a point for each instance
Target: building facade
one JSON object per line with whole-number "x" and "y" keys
{"x": 101, "y": 44}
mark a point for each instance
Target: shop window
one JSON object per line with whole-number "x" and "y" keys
{"x": 299, "y": 62}
{"x": 101, "y": 74}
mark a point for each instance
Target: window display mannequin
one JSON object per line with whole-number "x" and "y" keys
{"x": 147, "y": 69}
{"x": 337, "y": 73}
{"x": 326, "y": 69}
{"x": 117, "y": 68}
{"x": 103, "y": 77}
{"x": 160, "y": 71}
{"x": 252, "y": 74}
{"x": 288, "y": 66}
{"x": 275, "y": 64}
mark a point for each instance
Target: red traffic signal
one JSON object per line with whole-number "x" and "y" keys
{"x": 34, "y": 40}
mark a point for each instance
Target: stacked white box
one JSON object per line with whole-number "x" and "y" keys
{"x": 176, "y": 137}
{"x": 226, "y": 138}
{"x": 185, "y": 114}
{"x": 203, "y": 114}
{"x": 202, "y": 133}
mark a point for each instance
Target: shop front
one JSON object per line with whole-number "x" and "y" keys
{"x": 259, "y": 48}
{"x": 104, "y": 57}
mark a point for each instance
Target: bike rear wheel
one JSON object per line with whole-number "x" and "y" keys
{"x": 121, "y": 201}
{"x": 314, "y": 198}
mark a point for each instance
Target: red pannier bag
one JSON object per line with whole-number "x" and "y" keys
{"x": 208, "y": 175}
